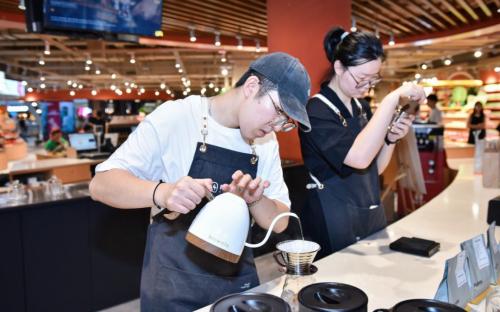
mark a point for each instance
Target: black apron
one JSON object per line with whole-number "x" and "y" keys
{"x": 343, "y": 210}
{"x": 176, "y": 275}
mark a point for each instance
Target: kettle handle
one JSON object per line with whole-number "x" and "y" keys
{"x": 281, "y": 215}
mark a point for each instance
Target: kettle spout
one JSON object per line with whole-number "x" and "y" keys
{"x": 281, "y": 215}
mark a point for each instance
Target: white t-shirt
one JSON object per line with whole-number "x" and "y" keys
{"x": 436, "y": 116}
{"x": 163, "y": 146}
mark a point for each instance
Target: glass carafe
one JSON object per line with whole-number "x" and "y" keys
{"x": 54, "y": 186}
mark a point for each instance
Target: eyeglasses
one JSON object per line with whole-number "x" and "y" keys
{"x": 363, "y": 83}
{"x": 282, "y": 122}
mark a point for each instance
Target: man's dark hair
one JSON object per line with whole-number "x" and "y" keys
{"x": 432, "y": 97}
{"x": 266, "y": 84}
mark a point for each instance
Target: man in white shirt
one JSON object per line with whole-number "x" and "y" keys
{"x": 199, "y": 145}
{"x": 435, "y": 116}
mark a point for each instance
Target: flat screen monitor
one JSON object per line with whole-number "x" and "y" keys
{"x": 83, "y": 141}
{"x": 95, "y": 17}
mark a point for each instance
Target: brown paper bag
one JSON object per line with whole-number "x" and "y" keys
{"x": 491, "y": 169}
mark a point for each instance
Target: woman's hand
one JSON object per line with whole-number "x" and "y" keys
{"x": 251, "y": 190}
{"x": 400, "y": 128}
{"x": 412, "y": 92}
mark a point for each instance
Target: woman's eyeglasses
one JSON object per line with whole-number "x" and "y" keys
{"x": 363, "y": 83}
{"x": 282, "y": 122}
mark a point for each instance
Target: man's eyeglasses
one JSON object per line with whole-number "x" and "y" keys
{"x": 282, "y": 122}
{"x": 363, "y": 83}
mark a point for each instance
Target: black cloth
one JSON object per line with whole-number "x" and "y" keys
{"x": 348, "y": 207}
{"x": 475, "y": 120}
{"x": 179, "y": 277}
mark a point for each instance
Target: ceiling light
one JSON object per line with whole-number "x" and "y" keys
{"x": 112, "y": 87}
{"x": 22, "y": 5}
{"x": 223, "y": 58}
{"x": 418, "y": 76}
{"x": 24, "y": 83}
{"x": 72, "y": 93}
{"x": 203, "y": 90}
{"x": 424, "y": 66}
{"x": 157, "y": 92}
{"x": 88, "y": 61}
{"x": 240, "y": 42}
{"x": 447, "y": 61}
{"x": 34, "y": 104}
{"x": 188, "y": 90}
{"x": 391, "y": 40}
{"x": 497, "y": 69}
{"x": 192, "y": 36}
{"x": 80, "y": 86}
{"x": 177, "y": 65}
{"x": 257, "y": 45}
{"x": 93, "y": 92}
{"x": 353, "y": 25}
{"x": 46, "y": 51}
{"x": 97, "y": 71}
{"x": 42, "y": 85}
{"x": 180, "y": 70}
{"x": 113, "y": 76}
{"x": 224, "y": 72}
{"x": 41, "y": 61}
{"x": 142, "y": 90}
{"x": 217, "y": 39}
{"x": 30, "y": 89}
{"x": 163, "y": 85}
{"x": 69, "y": 82}
{"x": 132, "y": 59}
{"x": 87, "y": 67}
{"x": 128, "y": 90}
{"x": 169, "y": 92}
{"x": 42, "y": 78}
{"x": 216, "y": 89}
{"x": 478, "y": 53}
{"x": 184, "y": 93}
{"x": 74, "y": 85}
{"x": 211, "y": 85}
{"x": 126, "y": 83}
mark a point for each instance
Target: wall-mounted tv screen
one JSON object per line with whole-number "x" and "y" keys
{"x": 95, "y": 17}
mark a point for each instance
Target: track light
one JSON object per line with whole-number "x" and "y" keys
{"x": 74, "y": 85}
{"x": 42, "y": 85}
{"x": 30, "y": 89}
{"x": 224, "y": 72}
{"x": 88, "y": 61}
{"x": 391, "y": 40}
{"x": 87, "y": 67}
{"x": 22, "y": 5}
{"x": 46, "y": 51}
{"x": 447, "y": 61}
{"x": 418, "y": 76}
{"x": 41, "y": 61}
{"x": 478, "y": 53}
{"x": 42, "y": 78}
{"x": 72, "y": 93}
{"x": 24, "y": 83}
{"x": 240, "y": 42}
{"x": 497, "y": 69}
{"x": 257, "y": 45}
{"x": 217, "y": 39}
{"x": 353, "y": 25}
{"x": 132, "y": 58}
{"x": 93, "y": 92}
{"x": 424, "y": 66}
{"x": 163, "y": 86}
{"x": 157, "y": 92}
{"x": 192, "y": 36}
{"x": 223, "y": 58}
{"x": 97, "y": 71}
{"x": 113, "y": 76}
{"x": 177, "y": 65}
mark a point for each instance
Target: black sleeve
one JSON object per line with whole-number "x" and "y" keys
{"x": 328, "y": 142}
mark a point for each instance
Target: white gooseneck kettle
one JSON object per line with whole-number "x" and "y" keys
{"x": 221, "y": 227}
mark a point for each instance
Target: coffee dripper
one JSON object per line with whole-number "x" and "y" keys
{"x": 296, "y": 257}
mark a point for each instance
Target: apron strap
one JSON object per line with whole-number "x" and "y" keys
{"x": 332, "y": 107}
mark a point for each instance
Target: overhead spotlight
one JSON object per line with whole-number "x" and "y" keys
{"x": 447, "y": 61}
{"x": 42, "y": 85}
{"x": 112, "y": 87}
{"x": 157, "y": 92}
{"x": 192, "y": 36}
{"x": 128, "y": 90}
{"x": 46, "y": 51}
{"x": 184, "y": 93}
{"x": 353, "y": 25}
{"x": 203, "y": 90}
{"x": 391, "y": 40}
{"x": 497, "y": 69}
{"x": 216, "y": 89}
{"x": 424, "y": 66}
{"x": 24, "y": 83}
{"x": 478, "y": 53}
{"x": 97, "y": 71}
{"x": 223, "y": 58}
{"x": 69, "y": 82}
{"x": 188, "y": 90}
{"x": 74, "y": 85}
{"x": 163, "y": 85}
{"x": 257, "y": 45}
{"x": 88, "y": 61}
{"x": 126, "y": 83}
{"x": 72, "y": 93}
{"x": 80, "y": 86}
{"x": 240, "y": 42}
{"x": 168, "y": 91}
{"x": 177, "y": 65}
{"x": 113, "y": 76}
{"x": 224, "y": 72}
{"x": 418, "y": 76}
{"x": 87, "y": 67}
{"x": 42, "y": 78}
{"x": 217, "y": 39}
{"x": 132, "y": 58}
{"x": 211, "y": 85}
{"x": 34, "y": 104}
{"x": 22, "y": 5}
{"x": 93, "y": 92}
{"x": 30, "y": 89}
{"x": 142, "y": 90}
{"x": 180, "y": 70}
{"x": 41, "y": 61}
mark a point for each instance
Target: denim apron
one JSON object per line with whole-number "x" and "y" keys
{"x": 343, "y": 210}
{"x": 176, "y": 275}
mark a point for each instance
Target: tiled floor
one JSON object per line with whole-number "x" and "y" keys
{"x": 267, "y": 269}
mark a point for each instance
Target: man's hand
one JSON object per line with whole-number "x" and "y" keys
{"x": 184, "y": 195}
{"x": 251, "y": 190}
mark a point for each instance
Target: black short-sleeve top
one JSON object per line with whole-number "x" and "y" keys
{"x": 325, "y": 147}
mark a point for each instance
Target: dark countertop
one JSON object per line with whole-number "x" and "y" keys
{"x": 38, "y": 195}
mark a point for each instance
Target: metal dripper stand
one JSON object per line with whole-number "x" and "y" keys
{"x": 296, "y": 257}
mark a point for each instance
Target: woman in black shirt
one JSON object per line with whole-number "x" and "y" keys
{"x": 348, "y": 146}
{"x": 476, "y": 123}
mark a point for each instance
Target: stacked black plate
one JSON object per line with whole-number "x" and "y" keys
{"x": 254, "y": 302}
{"x": 332, "y": 297}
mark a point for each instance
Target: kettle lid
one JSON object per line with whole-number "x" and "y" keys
{"x": 250, "y": 301}
{"x": 426, "y": 305}
{"x": 333, "y": 297}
